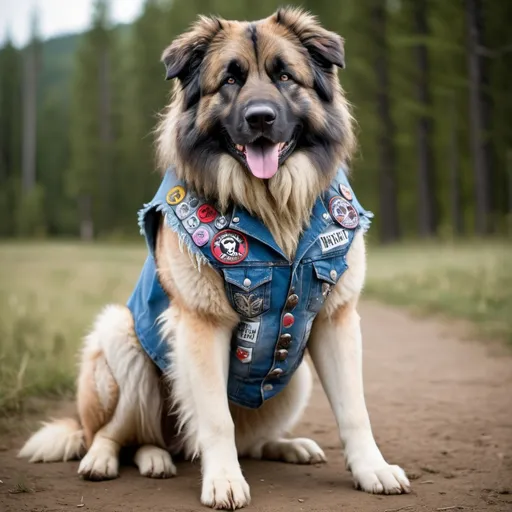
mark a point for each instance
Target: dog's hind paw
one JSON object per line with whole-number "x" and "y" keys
{"x": 227, "y": 493}
{"x": 296, "y": 451}
{"x": 387, "y": 479}
{"x": 99, "y": 465}
{"x": 154, "y": 462}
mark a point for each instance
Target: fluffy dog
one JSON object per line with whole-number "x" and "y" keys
{"x": 256, "y": 249}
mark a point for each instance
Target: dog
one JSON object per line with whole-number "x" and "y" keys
{"x": 256, "y": 254}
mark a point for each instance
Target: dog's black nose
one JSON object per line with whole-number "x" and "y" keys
{"x": 260, "y": 115}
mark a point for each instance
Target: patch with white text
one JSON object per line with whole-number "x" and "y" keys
{"x": 333, "y": 239}
{"x": 248, "y": 331}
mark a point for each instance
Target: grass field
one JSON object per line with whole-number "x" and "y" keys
{"x": 50, "y": 293}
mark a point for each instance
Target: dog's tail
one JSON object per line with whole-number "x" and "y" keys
{"x": 60, "y": 440}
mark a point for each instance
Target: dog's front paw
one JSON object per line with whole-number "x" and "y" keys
{"x": 227, "y": 492}
{"x": 154, "y": 462}
{"x": 381, "y": 479}
{"x": 99, "y": 465}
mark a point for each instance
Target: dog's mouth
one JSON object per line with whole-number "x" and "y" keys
{"x": 262, "y": 157}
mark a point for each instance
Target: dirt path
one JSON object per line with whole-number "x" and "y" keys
{"x": 440, "y": 407}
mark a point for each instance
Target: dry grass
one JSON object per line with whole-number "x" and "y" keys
{"x": 471, "y": 281}
{"x": 51, "y": 292}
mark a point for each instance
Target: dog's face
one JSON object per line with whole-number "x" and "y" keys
{"x": 258, "y": 92}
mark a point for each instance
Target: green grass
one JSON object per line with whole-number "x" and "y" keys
{"x": 470, "y": 281}
{"x": 51, "y": 292}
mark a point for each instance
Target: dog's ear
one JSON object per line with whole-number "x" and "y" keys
{"x": 185, "y": 54}
{"x": 325, "y": 48}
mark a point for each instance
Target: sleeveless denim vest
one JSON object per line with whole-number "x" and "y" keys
{"x": 277, "y": 299}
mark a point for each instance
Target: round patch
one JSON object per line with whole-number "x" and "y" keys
{"x": 229, "y": 247}
{"x": 206, "y": 213}
{"x": 201, "y": 236}
{"x": 192, "y": 222}
{"x": 175, "y": 195}
{"x": 183, "y": 210}
{"x": 346, "y": 192}
{"x": 221, "y": 222}
{"x": 344, "y": 213}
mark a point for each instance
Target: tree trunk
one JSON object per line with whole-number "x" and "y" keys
{"x": 30, "y": 76}
{"x": 479, "y": 116}
{"x": 86, "y": 222}
{"x": 388, "y": 198}
{"x": 427, "y": 207}
{"x": 454, "y": 159}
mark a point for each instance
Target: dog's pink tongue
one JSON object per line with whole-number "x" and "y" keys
{"x": 263, "y": 159}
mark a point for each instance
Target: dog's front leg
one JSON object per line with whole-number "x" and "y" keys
{"x": 335, "y": 346}
{"x": 200, "y": 385}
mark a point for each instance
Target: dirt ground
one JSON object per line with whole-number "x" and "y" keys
{"x": 440, "y": 407}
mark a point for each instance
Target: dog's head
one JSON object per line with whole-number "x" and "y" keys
{"x": 257, "y": 93}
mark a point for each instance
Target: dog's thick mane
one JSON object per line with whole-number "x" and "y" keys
{"x": 284, "y": 202}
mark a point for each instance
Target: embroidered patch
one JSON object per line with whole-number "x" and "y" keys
{"x": 344, "y": 213}
{"x": 244, "y": 354}
{"x": 175, "y": 195}
{"x": 333, "y": 239}
{"x": 191, "y": 223}
{"x": 248, "y": 331}
{"x": 183, "y": 210}
{"x": 229, "y": 247}
{"x": 248, "y": 305}
{"x": 201, "y": 236}
{"x": 221, "y": 222}
{"x": 346, "y": 192}
{"x": 206, "y": 213}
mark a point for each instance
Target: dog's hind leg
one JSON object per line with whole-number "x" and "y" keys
{"x": 260, "y": 432}
{"x": 119, "y": 400}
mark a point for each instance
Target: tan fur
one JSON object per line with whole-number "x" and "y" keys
{"x": 120, "y": 398}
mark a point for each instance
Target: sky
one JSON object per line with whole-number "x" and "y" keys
{"x": 57, "y": 16}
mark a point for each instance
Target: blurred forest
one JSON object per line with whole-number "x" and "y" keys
{"x": 430, "y": 81}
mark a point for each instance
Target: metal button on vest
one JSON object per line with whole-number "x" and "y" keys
{"x": 285, "y": 340}
{"x": 268, "y": 387}
{"x": 236, "y": 220}
{"x": 276, "y": 372}
{"x": 288, "y": 320}
{"x": 247, "y": 282}
{"x": 281, "y": 354}
{"x": 333, "y": 274}
{"x": 292, "y": 301}
{"x": 326, "y": 216}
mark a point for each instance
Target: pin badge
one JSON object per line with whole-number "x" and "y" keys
{"x": 192, "y": 222}
{"x": 206, "y": 213}
{"x": 229, "y": 247}
{"x": 221, "y": 222}
{"x": 193, "y": 201}
{"x": 344, "y": 213}
{"x": 175, "y": 195}
{"x": 183, "y": 210}
{"x": 201, "y": 236}
{"x": 346, "y": 192}
{"x": 244, "y": 354}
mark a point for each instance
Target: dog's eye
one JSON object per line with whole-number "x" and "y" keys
{"x": 284, "y": 77}
{"x": 230, "y": 80}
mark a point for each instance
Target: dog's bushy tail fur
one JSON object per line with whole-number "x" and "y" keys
{"x": 60, "y": 440}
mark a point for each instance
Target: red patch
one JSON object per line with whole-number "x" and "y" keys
{"x": 206, "y": 213}
{"x": 229, "y": 247}
{"x": 244, "y": 354}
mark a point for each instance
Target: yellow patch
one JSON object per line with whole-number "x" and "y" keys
{"x": 175, "y": 195}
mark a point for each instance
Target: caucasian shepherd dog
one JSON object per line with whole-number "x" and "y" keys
{"x": 258, "y": 123}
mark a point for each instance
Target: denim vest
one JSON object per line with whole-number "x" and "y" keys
{"x": 277, "y": 299}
